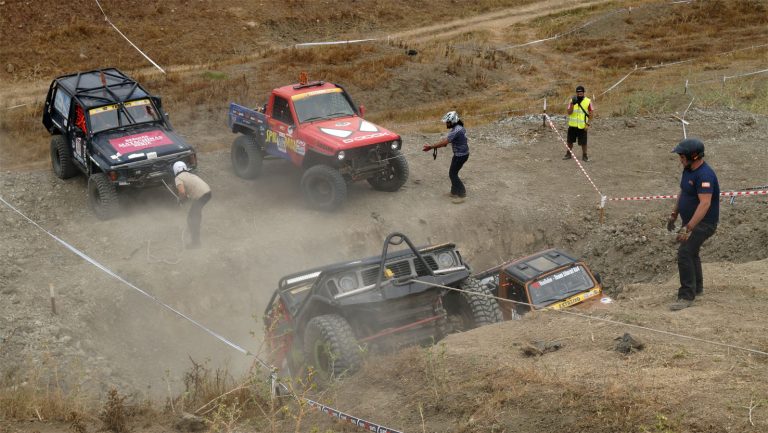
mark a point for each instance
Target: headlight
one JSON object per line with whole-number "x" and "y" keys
{"x": 348, "y": 282}
{"x": 445, "y": 260}
{"x": 340, "y": 155}
{"x": 395, "y": 145}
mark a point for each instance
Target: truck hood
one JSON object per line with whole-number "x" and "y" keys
{"x": 135, "y": 144}
{"x": 348, "y": 133}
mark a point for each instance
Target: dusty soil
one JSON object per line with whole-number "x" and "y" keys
{"x": 522, "y": 198}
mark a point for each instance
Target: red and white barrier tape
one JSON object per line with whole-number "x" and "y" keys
{"x": 665, "y": 197}
{"x": 367, "y": 425}
{"x": 552, "y": 125}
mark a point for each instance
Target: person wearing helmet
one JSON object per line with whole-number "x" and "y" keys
{"x": 190, "y": 186}
{"x": 579, "y": 114}
{"x": 698, "y": 206}
{"x": 457, "y": 137}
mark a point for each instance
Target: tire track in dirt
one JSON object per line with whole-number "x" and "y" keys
{"x": 495, "y": 22}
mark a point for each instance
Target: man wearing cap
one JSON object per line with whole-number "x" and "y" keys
{"x": 579, "y": 114}
{"x": 190, "y": 186}
{"x": 698, "y": 205}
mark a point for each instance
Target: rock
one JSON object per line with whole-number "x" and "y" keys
{"x": 9, "y": 68}
{"x": 627, "y": 344}
{"x": 189, "y": 422}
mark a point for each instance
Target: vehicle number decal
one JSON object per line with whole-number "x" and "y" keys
{"x": 79, "y": 147}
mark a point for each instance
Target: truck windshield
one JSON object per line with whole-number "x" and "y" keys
{"x": 112, "y": 116}
{"x": 320, "y": 106}
{"x": 560, "y": 285}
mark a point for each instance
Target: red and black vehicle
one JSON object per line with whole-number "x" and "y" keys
{"x": 325, "y": 317}
{"x": 107, "y": 126}
{"x": 318, "y": 128}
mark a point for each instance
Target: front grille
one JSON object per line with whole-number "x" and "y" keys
{"x": 401, "y": 268}
{"x": 420, "y": 269}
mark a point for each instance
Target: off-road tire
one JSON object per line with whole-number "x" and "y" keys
{"x": 61, "y": 158}
{"x": 330, "y": 347}
{"x": 323, "y": 187}
{"x": 395, "y": 175}
{"x": 247, "y": 158}
{"x": 476, "y": 307}
{"x": 102, "y": 196}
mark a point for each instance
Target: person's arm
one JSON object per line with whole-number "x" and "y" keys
{"x": 442, "y": 143}
{"x": 673, "y": 215}
{"x": 570, "y": 106}
{"x": 705, "y": 201}
{"x": 181, "y": 190}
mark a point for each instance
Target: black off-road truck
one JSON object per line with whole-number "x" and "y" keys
{"x": 105, "y": 125}
{"x": 326, "y": 317}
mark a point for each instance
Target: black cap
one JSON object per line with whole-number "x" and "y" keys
{"x": 579, "y": 89}
{"x": 690, "y": 146}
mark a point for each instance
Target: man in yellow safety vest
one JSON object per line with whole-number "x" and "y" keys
{"x": 579, "y": 114}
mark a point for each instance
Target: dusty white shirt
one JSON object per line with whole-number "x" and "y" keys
{"x": 193, "y": 185}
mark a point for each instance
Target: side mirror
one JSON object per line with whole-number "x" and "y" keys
{"x": 361, "y": 109}
{"x": 167, "y": 116}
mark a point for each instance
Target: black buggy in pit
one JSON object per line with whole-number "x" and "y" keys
{"x": 105, "y": 125}
{"x": 326, "y": 317}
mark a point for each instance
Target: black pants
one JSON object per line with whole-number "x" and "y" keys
{"x": 195, "y": 216}
{"x": 689, "y": 263}
{"x": 457, "y": 186}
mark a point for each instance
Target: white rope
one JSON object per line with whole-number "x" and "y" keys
{"x": 601, "y": 319}
{"x": 126, "y": 38}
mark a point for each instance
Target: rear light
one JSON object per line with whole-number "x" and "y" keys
{"x": 112, "y": 175}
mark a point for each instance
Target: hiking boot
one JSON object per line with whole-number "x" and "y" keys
{"x": 458, "y": 200}
{"x": 452, "y": 195}
{"x": 567, "y": 156}
{"x": 680, "y": 304}
{"x": 585, "y": 158}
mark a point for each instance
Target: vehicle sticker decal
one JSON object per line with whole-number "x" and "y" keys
{"x": 145, "y": 140}
{"x": 151, "y": 155}
{"x": 366, "y": 126}
{"x": 137, "y": 103}
{"x": 342, "y": 124}
{"x": 316, "y": 92}
{"x": 135, "y": 155}
{"x": 103, "y": 109}
{"x": 367, "y": 137}
{"x": 337, "y": 132}
{"x": 285, "y": 143}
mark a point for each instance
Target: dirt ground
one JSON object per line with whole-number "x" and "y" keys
{"x": 522, "y": 197}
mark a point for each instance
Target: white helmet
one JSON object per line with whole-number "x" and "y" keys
{"x": 451, "y": 117}
{"x": 178, "y": 167}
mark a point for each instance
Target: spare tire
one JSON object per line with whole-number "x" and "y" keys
{"x": 394, "y": 176}
{"x": 247, "y": 158}
{"x": 102, "y": 196}
{"x": 330, "y": 347}
{"x": 61, "y": 158}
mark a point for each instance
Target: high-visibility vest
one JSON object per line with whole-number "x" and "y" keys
{"x": 579, "y": 117}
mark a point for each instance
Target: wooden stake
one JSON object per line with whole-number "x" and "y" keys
{"x": 53, "y": 298}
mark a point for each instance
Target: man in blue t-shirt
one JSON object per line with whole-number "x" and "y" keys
{"x": 457, "y": 137}
{"x": 698, "y": 205}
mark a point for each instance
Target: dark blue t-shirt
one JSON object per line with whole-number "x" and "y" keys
{"x": 458, "y": 139}
{"x": 695, "y": 182}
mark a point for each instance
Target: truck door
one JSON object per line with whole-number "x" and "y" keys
{"x": 77, "y": 133}
{"x": 281, "y": 122}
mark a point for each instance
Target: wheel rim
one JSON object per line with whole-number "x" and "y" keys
{"x": 322, "y": 359}
{"x": 321, "y": 190}
{"x": 241, "y": 158}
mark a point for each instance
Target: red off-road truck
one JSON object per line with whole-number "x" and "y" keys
{"x": 317, "y": 127}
